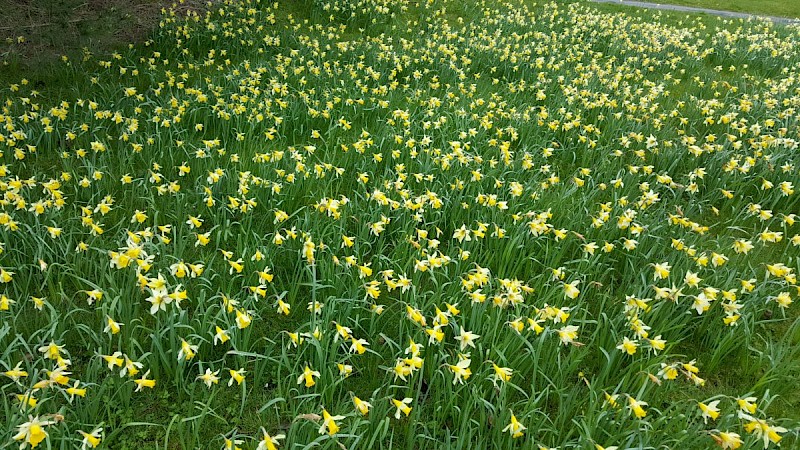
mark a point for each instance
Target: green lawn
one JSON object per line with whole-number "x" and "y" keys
{"x": 779, "y": 8}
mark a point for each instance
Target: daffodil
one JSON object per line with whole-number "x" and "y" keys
{"x": 636, "y": 407}
{"x": 16, "y": 373}
{"x": 329, "y": 423}
{"x": 268, "y": 442}
{"x": 187, "y": 351}
{"x": 220, "y": 335}
{"x": 32, "y": 432}
{"x": 503, "y": 374}
{"x": 236, "y": 376}
{"x": 747, "y": 405}
{"x": 308, "y": 377}
{"x": 461, "y": 370}
{"x": 514, "y": 427}
{"x": 209, "y": 377}
{"x": 727, "y": 440}
{"x": 233, "y": 444}
{"x": 27, "y": 400}
{"x": 243, "y": 319}
{"x": 568, "y": 334}
{"x": 571, "y": 290}
{"x": 112, "y": 326}
{"x": 283, "y": 307}
{"x": 358, "y": 346}
{"x": 763, "y": 430}
{"x": 51, "y": 350}
{"x": 628, "y": 346}
{"x": 144, "y": 382}
{"x": 362, "y": 406}
{"x": 131, "y": 368}
{"x": 466, "y": 339}
{"x": 661, "y": 271}
{"x": 76, "y": 390}
{"x": 402, "y": 406}
{"x": 91, "y": 439}
{"x": 709, "y": 410}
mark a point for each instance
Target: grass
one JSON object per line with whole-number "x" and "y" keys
{"x": 35, "y": 36}
{"x": 535, "y": 218}
{"x": 776, "y": 8}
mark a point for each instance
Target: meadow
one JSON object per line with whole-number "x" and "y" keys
{"x": 351, "y": 224}
{"x": 776, "y": 8}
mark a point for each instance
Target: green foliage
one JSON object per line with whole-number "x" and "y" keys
{"x": 500, "y": 225}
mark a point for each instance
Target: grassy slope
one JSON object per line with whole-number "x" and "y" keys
{"x": 779, "y": 8}
{"x": 36, "y": 35}
{"x": 102, "y": 37}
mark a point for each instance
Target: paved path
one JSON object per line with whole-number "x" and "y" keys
{"x": 716, "y": 12}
